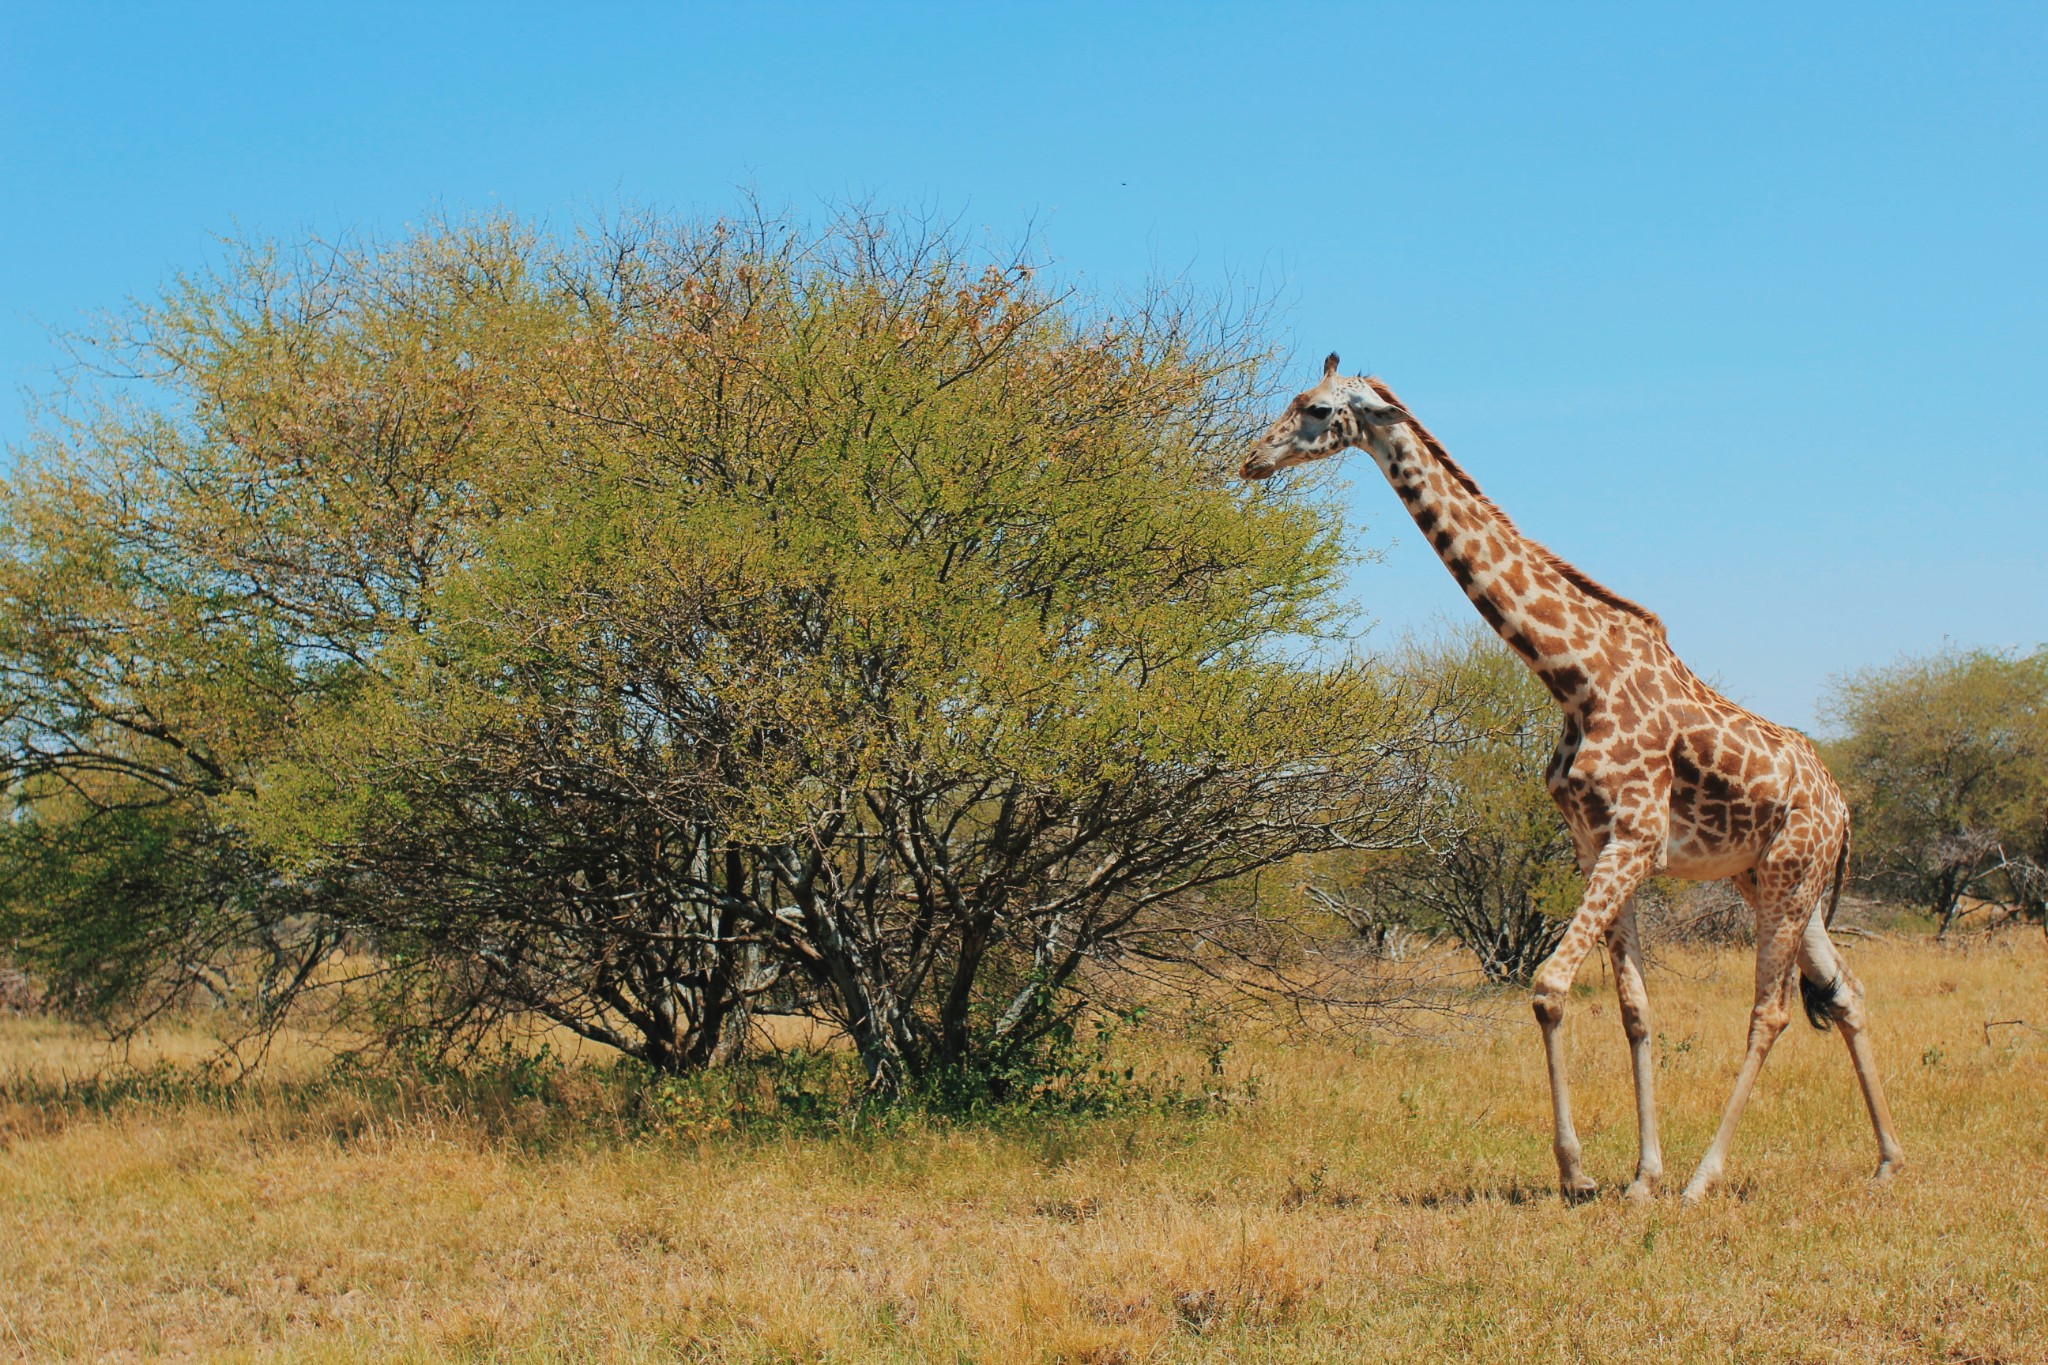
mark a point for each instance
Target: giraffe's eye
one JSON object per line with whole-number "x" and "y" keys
{"x": 1319, "y": 411}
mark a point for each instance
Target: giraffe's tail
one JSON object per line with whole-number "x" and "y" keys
{"x": 1816, "y": 997}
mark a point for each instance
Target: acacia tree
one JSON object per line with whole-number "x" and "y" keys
{"x": 1945, "y": 762}
{"x": 619, "y": 630}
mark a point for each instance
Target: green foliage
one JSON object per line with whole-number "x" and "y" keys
{"x": 1945, "y": 762}
{"x": 638, "y": 629}
{"x": 106, "y": 883}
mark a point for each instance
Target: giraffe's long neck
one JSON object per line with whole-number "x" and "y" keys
{"x": 1549, "y": 613}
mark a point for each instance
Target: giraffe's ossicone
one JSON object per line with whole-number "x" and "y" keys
{"x": 1654, "y": 772}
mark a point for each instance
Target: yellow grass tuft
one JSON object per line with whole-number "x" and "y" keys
{"x": 1387, "y": 1202}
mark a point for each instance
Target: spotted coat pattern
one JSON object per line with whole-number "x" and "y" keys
{"x": 1654, "y": 772}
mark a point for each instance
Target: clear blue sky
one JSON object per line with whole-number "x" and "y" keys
{"x": 1743, "y": 308}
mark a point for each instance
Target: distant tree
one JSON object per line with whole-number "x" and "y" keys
{"x": 626, "y": 630}
{"x": 1494, "y": 865}
{"x": 1945, "y": 762}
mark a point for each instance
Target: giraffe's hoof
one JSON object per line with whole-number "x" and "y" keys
{"x": 1704, "y": 1178}
{"x": 1641, "y": 1190}
{"x": 1886, "y": 1169}
{"x": 1579, "y": 1190}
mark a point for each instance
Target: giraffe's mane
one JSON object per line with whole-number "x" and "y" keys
{"x": 1570, "y": 572}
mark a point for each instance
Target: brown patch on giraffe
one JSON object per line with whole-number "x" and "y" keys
{"x": 1565, "y": 682}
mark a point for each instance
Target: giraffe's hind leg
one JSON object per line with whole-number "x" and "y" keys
{"x": 1625, "y": 950}
{"x": 1777, "y": 957}
{"x": 1782, "y": 890}
{"x": 1834, "y": 994}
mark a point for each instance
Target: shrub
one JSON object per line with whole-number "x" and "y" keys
{"x": 1945, "y": 763}
{"x": 1495, "y": 866}
{"x": 630, "y": 630}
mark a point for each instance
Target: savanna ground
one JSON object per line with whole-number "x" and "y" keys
{"x": 1343, "y": 1203}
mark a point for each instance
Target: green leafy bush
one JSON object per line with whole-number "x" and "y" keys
{"x": 636, "y": 631}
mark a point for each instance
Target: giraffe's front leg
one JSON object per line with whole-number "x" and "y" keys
{"x": 1624, "y": 949}
{"x": 1619, "y": 869}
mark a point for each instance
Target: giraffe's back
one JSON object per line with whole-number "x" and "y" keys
{"x": 1740, "y": 786}
{"x": 1656, "y": 746}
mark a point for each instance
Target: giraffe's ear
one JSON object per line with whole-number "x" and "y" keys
{"x": 1330, "y": 365}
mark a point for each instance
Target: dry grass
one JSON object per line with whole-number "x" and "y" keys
{"x": 1384, "y": 1204}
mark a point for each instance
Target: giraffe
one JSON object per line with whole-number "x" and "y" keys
{"x": 1655, "y": 771}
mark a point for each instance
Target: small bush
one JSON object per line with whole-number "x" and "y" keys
{"x": 1495, "y": 867}
{"x": 1694, "y": 913}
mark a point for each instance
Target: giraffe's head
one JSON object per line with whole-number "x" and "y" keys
{"x": 1334, "y": 415}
